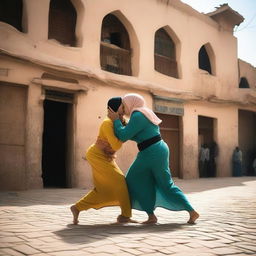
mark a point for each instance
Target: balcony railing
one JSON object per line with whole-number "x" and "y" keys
{"x": 115, "y": 59}
{"x": 166, "y": 66}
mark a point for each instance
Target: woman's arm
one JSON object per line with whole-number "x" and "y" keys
{"x": 108, "y": 131}
{"x": 136, "y": 124}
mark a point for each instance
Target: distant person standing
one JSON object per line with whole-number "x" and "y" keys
{"x": 201, "y": 161}
{"x": 214, "y": 151}
{"x": 204, "y": 158}
{"x": 237, "y": 159}
{"x": 207, "y": 160}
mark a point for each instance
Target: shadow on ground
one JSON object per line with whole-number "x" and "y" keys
{"x": 69, "y": 196}
{"x": 93, "y": 233}
{"x": 205, "y": 184}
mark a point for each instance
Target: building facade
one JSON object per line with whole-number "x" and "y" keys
{"x": 61, "y": 60}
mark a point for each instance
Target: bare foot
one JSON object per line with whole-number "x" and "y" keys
{"x": 123, "y": 219}
{"x": 133, "y": 221}
{"x": 152, "y": 219}
{"x": 75, "y": 213}
{"x": 193, "y": 216}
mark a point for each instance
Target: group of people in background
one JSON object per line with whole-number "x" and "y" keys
{"x": 207, "y": 162}
{"x": 237, "y": 164}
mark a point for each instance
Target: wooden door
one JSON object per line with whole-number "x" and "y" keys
{"x": 171, "y": 135}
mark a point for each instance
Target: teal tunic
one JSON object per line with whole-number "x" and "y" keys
{"x": 149, "y": 179}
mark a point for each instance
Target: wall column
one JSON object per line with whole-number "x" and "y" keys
{"x": 34, "y": 131}
{"x": 227, "y": 139}
{"x": 35, "y": 19}
{"x": 190, "y": 144}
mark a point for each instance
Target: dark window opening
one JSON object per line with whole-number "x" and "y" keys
{"x": 204, "y": 61}
{"x": 115, "y": 52}
{"x": 62, "y": 22}
{"x": 244, "y": 83}
{"x": 165, "y": 54}
{"x": 54, "y": 171}
{"x": 11, "y": 13}
{"x": 115, "y": 38}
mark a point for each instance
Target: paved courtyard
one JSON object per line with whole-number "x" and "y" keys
{"x": 38, "y": 223}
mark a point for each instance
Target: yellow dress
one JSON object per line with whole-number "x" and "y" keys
{"x": 110, "y": 187}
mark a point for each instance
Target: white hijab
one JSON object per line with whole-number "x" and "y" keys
{"x": 135, "y": 102}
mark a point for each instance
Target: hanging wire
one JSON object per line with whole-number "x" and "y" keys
{"x": 246, "y": 26}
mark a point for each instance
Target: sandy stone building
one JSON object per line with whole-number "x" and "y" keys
{"x": 61, "y": 60}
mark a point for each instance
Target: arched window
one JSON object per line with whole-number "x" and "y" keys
{"x": 11, "y": 13}
{"x": 244, "y": 83}
{"x": 62, "y": 22}
{"x": 204, "y": 60}
{"x": 115, "y": 51}
{"x": 165, "y": 54}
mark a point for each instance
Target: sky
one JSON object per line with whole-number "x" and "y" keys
{"x": 245, "y": 32}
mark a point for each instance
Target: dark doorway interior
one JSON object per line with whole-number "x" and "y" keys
{"x": 205, "y": 129}
{"x": 247, "y": 139}
{"x": 208, "y": 148}
{"x": 54, "y": 171}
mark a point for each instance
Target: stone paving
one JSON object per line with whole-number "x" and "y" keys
{"x": 38, "y": 223}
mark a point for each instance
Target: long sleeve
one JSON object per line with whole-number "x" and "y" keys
{"x": 136, "y": 124}
{"x": 108, "y": 131}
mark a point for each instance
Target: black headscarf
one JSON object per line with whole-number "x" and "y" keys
{"x": 114, "y": 103}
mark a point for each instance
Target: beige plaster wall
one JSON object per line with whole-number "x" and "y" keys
{"x": 89, "y": 111}
{"x": 33, "y": 123}
{"x": 181, "y": 21}
{"x": 12, "y": 136}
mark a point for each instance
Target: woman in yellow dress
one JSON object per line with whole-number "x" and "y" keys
{"x": 110, "y": 187}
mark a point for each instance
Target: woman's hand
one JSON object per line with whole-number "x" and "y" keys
{"x": 112, "y": 114}
{"x": 106, "y": 148}
{"x": 122, "y": 119}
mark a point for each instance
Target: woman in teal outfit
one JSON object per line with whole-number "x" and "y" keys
{"x": 149, "y": 179}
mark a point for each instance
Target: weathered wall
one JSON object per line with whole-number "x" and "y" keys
{"x": 13, "y": 100}
{"x": 181, "y": 21}
{"x": 188, "y": 29}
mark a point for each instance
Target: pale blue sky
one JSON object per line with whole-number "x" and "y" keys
{"x": 245, "y": 32}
